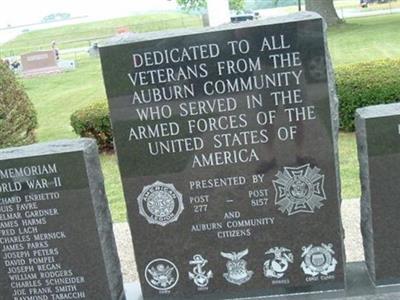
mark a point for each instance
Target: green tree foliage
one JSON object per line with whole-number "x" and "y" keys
{"x": 17, "y": 115}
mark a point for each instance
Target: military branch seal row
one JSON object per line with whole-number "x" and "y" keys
{"x": 317, "y": 261}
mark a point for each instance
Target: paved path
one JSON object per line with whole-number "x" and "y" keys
{"x": 351, "y": 223}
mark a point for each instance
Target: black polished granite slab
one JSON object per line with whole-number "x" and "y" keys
{"x": 227, "y": 145}
{"x": 378, "y": 138}
{"x": 56, "y": 233}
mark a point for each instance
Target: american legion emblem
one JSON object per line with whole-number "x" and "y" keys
{"x": 237, "y": 267}
{"x": 318, "y": 260}
{"x": 160, "y": 203}
{"x": 299, "y": 190}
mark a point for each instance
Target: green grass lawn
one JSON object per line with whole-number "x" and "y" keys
{"x": 363, "y": 39}
{"x": 57, "y": 97}
{"x": 79, "y": 35}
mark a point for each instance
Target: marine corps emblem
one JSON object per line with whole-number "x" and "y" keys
{"x": 237, "y": 267}
{"x": 161, "y": 274}
{"x": 200, "y": 277}
{"x": 160, "y": 203}
{"x": 278, "y": 264}
{"x": 318, "y": 260}
{"x": 299, "y": 190}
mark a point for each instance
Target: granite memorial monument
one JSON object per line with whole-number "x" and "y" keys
{"x": 56, "y": 235}
{"x": 378, "y": 138}
{"x": 227, "y": 146}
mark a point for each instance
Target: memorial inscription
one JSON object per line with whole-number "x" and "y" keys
{"x": 56, "y": 238}
{"x": 227, "y": 151}
{"x": 378, "y": 139}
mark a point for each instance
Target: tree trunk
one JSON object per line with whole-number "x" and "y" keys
{"x": 325, "y": 8}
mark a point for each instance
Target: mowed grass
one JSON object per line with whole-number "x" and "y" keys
{"x": 364, "y": 39}
{"x": 56, "y": 97}
{"x": 80, "y": 35}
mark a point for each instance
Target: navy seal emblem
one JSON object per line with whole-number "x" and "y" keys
{"x": 160, "y": 203}
{"x": 200, "y": 277}
{"x": 299, "y": 190}
{"x": 318, "y": 260}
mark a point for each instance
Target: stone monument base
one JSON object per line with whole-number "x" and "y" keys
{"x": 359, "y": 287}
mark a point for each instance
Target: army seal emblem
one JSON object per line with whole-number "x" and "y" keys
{"x": 237, "y": 267}
{"x": 318, "y": 260}
{"x": 299, "y": 190}
{"x": 200, "y": 277}
{"x": 278, "y": 264}
{"x": 161, "y": 274}
{"x": 160, "y": 203}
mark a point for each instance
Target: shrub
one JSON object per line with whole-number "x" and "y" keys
{"x": 364, "y": 84}
{"x": 93, "y": 121}
{"x": 17, "y": 115}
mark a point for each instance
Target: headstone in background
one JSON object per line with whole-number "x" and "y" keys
{"x": 39, "y": 62}
{"x": 227, "y": 146}
{"x": 66, "y": 65}
{"x": 378, "y": 138}
{"x": 56, "y": 235}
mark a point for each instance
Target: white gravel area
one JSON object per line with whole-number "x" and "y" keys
{"x": 351, "y": 224}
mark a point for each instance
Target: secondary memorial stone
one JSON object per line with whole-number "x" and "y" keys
{"x": 39, "y": 62}
{"x": 227, "y": 140}
{"x": 378, "y": 137}
{"x": 56, "y": 236}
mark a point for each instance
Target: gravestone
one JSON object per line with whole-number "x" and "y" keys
{"x": 378, "y": 138}
{"x": 39, "y": 62}
{"x": 227, "y": 146}
{"x": 56, "y": 235}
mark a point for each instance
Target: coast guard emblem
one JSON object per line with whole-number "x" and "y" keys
{"x": 237, "y": 267}
{"x": 160, "y": 203}
{"x": 299, "y": 190}
{"x": 318, "y": 260}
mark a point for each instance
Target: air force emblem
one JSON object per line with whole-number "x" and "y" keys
{"x": 237, "y": 267}
{"x": 299, "y": 190}
{"x": 160, "y": 203}
{"x": 318, "y": 260}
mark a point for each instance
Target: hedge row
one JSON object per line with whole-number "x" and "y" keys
{"x": 358, "y": 85}
{"x": 17, "y": 116}
{"x": 365, "y": 84}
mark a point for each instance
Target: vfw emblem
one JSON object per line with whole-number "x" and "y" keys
{"x": 278, "y": 264}
{"x": 160, "y": 203}
{"x": 237, "y": 267}
{"x": 200, "y": 277}
{"x": 161, "y": 274}
{"x": 299, "y": 190}
{"x": 318, "y": 260}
